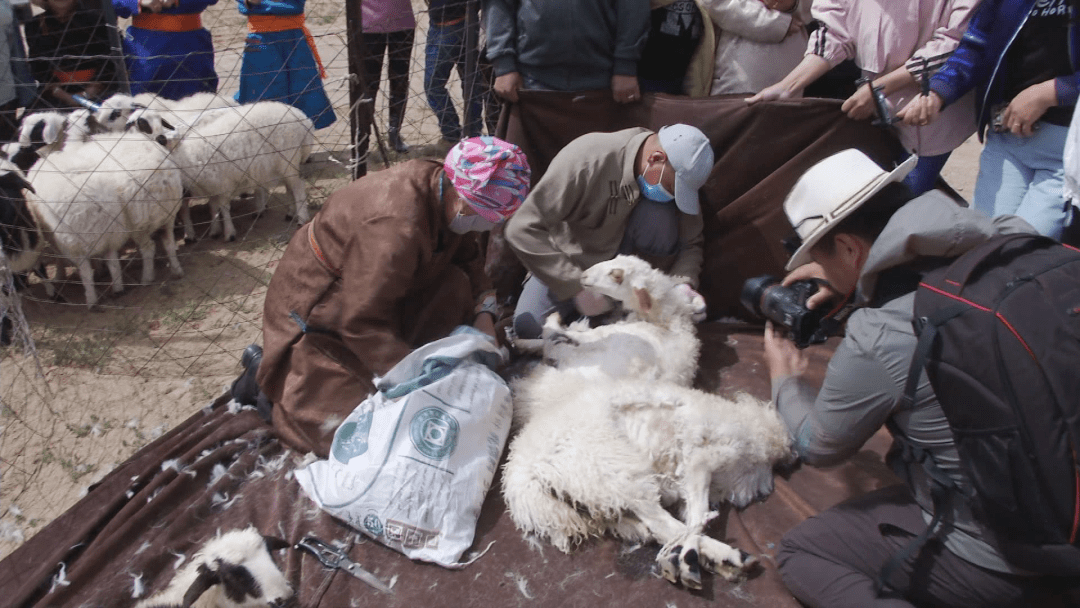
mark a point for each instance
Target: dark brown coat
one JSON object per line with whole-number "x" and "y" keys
{"x": 391, "y": 277}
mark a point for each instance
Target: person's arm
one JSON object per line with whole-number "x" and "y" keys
{"x": 125, "y": 8}
{"x": 803, "y": 75}
{"x": 861, "y": 106}
{"x": 500, "y": 20}
{"x": 553, "y": 200}
{"x": 749, "y": 19}
{"x": 691, "y": 254}
{"x": 957, "y": 76}
{"x": 631, "y": 31}
{"x": 377, "y": 274}
{"x": 855, "y": 400}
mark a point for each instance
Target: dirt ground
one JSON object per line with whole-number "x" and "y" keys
{"x": 103, "y": 384}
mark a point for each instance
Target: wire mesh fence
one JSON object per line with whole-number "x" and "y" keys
{"x": 81, "y": 390}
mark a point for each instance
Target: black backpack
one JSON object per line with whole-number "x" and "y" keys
{"x": 999, "y": 337}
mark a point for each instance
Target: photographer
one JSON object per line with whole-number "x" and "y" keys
{"x": 863, "y": 233}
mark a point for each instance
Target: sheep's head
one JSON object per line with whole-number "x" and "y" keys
{"x": 638, "y": 286}
{"x": 115, "y": 111}
{"x": 236, "y": 568}
{"x": 18, "y": 232}
{"x": 39, "y": 135}
{"x": 154, "y": 126}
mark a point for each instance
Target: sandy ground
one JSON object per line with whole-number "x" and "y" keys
{"x": 104, "y": 384}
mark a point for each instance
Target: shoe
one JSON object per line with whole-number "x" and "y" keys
{"x": 396, "y": 142}
{"x": 245, "y": 390}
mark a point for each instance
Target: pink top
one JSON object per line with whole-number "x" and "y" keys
{"x": 882, "y": 35}
{"x": 385, "y": 16}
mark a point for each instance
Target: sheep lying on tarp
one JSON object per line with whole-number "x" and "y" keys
{"x": 603, "y": 448}
{"x": 232, "y": 570}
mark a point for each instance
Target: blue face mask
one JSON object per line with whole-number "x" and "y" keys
{"x": 655, "y": 192}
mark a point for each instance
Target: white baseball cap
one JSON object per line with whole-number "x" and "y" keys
{"x": 830, "y": 191}
{"x": 689, "y": 151}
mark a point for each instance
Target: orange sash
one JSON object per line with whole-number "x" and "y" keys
{"x": 86, "y": 75}
{"x": 277, "y": 23}
{"x": 163, "y": 22}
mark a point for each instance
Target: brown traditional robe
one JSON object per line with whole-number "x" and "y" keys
{"x": 374, "y": 274}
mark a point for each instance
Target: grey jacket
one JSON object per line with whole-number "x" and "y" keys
{"x": 577, "y": 214}
{"x": 566, "y": 46}
{"x": 866, "y": 375}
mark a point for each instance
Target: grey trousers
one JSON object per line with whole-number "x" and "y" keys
{"x": 652, "y": 231}
{"x": 832, "y": 560}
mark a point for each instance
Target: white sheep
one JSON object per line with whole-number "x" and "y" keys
{"x": 232, "y": 570}
{"x": 601, "y": 451}
{"x": 250, "y": 147}
{"x": 91, "y": 197}
{"x": 657, "y": 340}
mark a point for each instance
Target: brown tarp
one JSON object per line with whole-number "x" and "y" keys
{"x": 760, "y": 150}
{"x": 135, "y": 522}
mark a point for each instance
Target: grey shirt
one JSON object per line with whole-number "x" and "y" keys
{"x": 866, "y": 375}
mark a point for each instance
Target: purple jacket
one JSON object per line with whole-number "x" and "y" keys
{"x": 977, "y": 62}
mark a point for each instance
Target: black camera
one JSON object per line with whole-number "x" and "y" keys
{"x": 786, "y": 306}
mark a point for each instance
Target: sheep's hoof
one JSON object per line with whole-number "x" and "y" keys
{"x": 231, "y": 238}
{"x": 681, "y": 564}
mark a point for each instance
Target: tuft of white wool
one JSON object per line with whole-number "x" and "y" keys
{"x": 249, "y": 147}
{"x": 137, "y": 587}
{"x": 90, "y": 198}
{"x": 608, "y": 437}
{"x": 238, "y": 549}
{"x": 60, "y": 578}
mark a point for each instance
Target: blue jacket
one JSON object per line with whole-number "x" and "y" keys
{"x": 977, "y": 61}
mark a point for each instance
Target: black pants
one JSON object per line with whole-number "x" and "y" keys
{"x": 398, "y": 49}
{"x": 833, "y": 559}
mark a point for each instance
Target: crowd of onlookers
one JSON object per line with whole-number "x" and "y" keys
{"x": 1015, "y": 85}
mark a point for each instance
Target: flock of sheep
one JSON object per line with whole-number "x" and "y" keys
{"x": 96, "y": 179}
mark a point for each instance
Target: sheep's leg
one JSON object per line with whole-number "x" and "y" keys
{"x": 86, "y": 274}
{"x": 714, "y": 555}
{"x": 146, "y": 248}
{"x": 185, "y": 216}
{"x": 262, "y": 197}
{"x": 219, "y": 205}
{"x": 112, "y": 260}
{"x": 168, "y": 241}
{"x": 297, "y": 189}
{"x": 679, "y": 558}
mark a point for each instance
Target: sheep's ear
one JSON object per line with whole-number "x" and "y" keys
{"x": 617, "y": 275}
{"x": 50, "y": 132}
{"x": 274, "y": 543}
{"x": 207, "y": 578}
{"x": 165, "y": 124}
{"x": 16, "y": 179}
{"x": 644, "y": 298}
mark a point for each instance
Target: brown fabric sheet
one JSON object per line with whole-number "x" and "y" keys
{"x": 109, "y": 537}
{"x": 760, "y": 150}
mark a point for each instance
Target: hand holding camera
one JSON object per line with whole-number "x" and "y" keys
{"x": 802, "y": 303}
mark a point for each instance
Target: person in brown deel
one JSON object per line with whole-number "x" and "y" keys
{"x": 388, "y": 264}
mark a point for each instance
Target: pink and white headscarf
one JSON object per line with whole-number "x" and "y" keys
{"x": 490, "y": 174}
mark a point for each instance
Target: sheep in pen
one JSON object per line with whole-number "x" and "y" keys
{"x": 610, "y": 433}
{"x": 120, "y": 172}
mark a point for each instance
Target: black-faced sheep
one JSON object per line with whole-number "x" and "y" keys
{"x": 233, "y": 570}
{"x": 91, "y": 197}
{"x": 603, "y": 451}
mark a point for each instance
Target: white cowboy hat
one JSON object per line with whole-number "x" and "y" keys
{"x": 830, "y": 191}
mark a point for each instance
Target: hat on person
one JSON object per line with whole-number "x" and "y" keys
{"x": 830, "y": 191}
{"x": 490, "y": 174}
{"x": 689, "y": 151}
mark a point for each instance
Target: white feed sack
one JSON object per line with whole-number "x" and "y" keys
{"x": 411, "y": 465}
